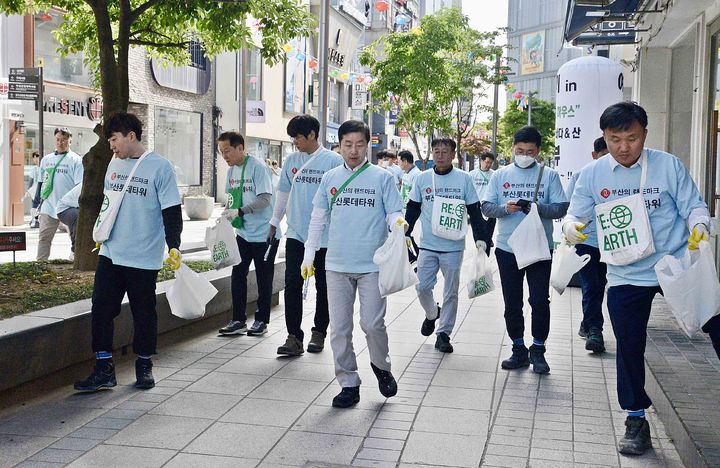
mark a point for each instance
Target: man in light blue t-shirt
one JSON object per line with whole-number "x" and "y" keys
{"x": 299, "y": 181}
{"x": 511, "y": 191}
{"x": 249, "y": 188}
{"x": 438, "y": 253}
{"x": 481, "y": 179}
{"x": 149, "y": 217}
{"x": 60, "y": 171}
{"x": 388, "y": 160}
{"x": 355, "y": 204}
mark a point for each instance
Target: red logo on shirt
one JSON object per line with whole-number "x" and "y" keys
{"x": 428, "y": 190}
{"x": 605, "y": 193}
{"x": 113, "y": 176}
{"x": 506, "y": 185}
{"x": 333, "y": 191}
{"x": 294, "y": 170}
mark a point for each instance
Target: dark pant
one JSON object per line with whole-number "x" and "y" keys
{"x": 593, "y": 278}
{"x": 264, "y": 272}
{"x": 111, "y": 284}
{"x": 295, "y": 250}
{"x": 629, "y": 308}
{"x": 538, "y": 278}
{"x": 69, "y": 218}
{"x": 712, "y": 327}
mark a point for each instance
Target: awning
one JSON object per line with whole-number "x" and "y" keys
{"x": 578, "y": 22}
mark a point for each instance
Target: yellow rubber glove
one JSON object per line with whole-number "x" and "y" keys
{"x": 699, "y": 233}
{"x": 573, "y": 232}
{"x": 400, "y": 222}
{"x": 173, "y": 260}
{"x": 307, "y": 269}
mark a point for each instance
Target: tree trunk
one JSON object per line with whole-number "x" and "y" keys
{"x": 413, "y": 137}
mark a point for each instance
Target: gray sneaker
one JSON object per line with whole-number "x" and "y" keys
{"x": 258, "y": 328}
{"x": 292, "y": 347}
{"x": 317, "y": 342}
{"x": 233, "y": 328}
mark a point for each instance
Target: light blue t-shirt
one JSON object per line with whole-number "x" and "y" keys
{"x": 670, "y": 196}
{"x": 397, "y": 174}
{"x": 137, "y": 239}
{"x": 512, "y": 183}
{"x": 457, "y": 185}
{"x": 71, "y": 199}
{"x": 481, "y": 180}
{"x": 408, "y": 179}
{"x": 357, "y": 224}
{"x": 257, "y": 180}
{"x": 67, "y": 176}
{"x": 590, "y": 230}
{"x": 302, "y": 190}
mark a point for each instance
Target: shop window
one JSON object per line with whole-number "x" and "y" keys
{"x": 178, "y": 137}
{"x": 253, "y": 77}
{"x": 69, "y": 69}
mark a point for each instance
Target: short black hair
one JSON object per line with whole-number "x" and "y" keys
{"x": 406, "y": 156}
{"x": 622, "y": 115}
{"x": 63, "y": 131}
{"x": 303, "y": 125}
{"x": 599, "y": 145}
{"x": 386, "y": 154}
{"x": 123, "y": 122}
{"x": 234, "y": 138}
{"x": 443, "y": 141}
{"x": 528, "y": 134}
{"x": 486, "y": 155}
{"x": 354, "y": 126}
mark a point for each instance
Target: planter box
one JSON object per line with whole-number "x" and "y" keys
{"x": 199, "y": 207}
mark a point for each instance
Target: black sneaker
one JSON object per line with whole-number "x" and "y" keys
{"x": 258, "y": 328}
{"x": 537, "y": 359}
{"x": 637, "y": 436}
{"x": 103, "y": 376}
{"x": 595, "y": 342}
{"x": 348, "y": 396}
{"x": 143, "y": 374}
{"x": 582, "y": 332}
{"x": 518, "y": 359}
{"x": 442, "y": 343}
{"x": 233, "y": 328}
{"x": 386, "y": 381}
{"x": 292, "y": 347}
{"x": 317, "y": 342}
{"x": 428, "y": 326}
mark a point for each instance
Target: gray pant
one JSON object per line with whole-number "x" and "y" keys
{"x": 341, "y": 298}
{"x": 69, "y": 218}
{"x": 428, "y": 265}
{"x": 48, "y": 228}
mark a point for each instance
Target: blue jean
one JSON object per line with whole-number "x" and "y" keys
{"x": 428, "y": 264}
{"x": 629, "y": 308}
{"x": 593, "y": 278}
{"x": 538, "y": 278}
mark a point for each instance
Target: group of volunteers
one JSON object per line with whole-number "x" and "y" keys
{"x": 340, "y": 208}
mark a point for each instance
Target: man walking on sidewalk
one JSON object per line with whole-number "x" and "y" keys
{"x": 445, "y": 201}
{"x": 249, "y": 188}
{"x": 510, "y": 193}
{"x": 481, "y": 179}
{"x": 593, "y": 276}
{"x": 299, "y": 181}
{"x": 355, "y": 204}
{"x": 149, "y": 216}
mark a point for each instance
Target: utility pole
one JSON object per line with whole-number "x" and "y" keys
{"x": 530, "y": 97}
{"x": 323, "y": 69}
{"x": 495, "y": 107}
{"x": 242, "y": 101}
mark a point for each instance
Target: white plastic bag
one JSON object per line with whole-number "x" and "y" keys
{"x": 481, "y": 275}
{"x": 529, "y": 242}
{"x": 189, "y": 294}
{"x": 396, "y": 273}
{"x": 690, "y": 286}
{"x": 565, "y": 263}
{"x": 220, "y": 241}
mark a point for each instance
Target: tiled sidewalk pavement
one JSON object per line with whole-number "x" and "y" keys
{"x": 232, "y": 402}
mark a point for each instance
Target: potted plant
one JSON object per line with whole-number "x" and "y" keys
{"x": 199, "y": 207}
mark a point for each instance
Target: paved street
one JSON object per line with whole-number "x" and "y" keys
{"x": 231, "y": 402}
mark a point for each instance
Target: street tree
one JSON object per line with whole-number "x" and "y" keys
{"x": 105, "y": 30}
{"x": 543, "y": 118}
{"x": 433, "y": 75}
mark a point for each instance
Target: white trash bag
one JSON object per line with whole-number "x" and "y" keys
{"x": 565, "y": 263}
{"x": 189, "y": 294}
{"x": 220, "y": 241}
{"x": 529, "y": 242}
{"x": 690, "y": 287}
{"x": 481, "y": 275}
{"x": 396, "y": 273}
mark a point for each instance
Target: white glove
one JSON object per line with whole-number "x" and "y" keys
{"x": 481, "y": 245}
{"x": 573, "y": 232}
{"x": 307, "y": 268}
{"x": 230, "y": 214}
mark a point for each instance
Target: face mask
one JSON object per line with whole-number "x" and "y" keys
{"x": 524, "y": 161}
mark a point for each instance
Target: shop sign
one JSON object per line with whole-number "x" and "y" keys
{"x": 65, "y": 106}
{"x": 255, "y": 111}
{"x": 12, "y": 241}
{"x": 359, "y": 96}
{"x": 95, "y": 108}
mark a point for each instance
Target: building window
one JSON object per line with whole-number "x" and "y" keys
{"x": 197, "y": 56}
{"x": 178, "y": 137}
{"x": 69, "y": 69}
{"x": 295, "y": 77}
{"x": 253, "y": 77}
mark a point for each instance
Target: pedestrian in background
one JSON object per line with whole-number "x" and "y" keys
{"x": 481, "y": 179}
{"x": 388, "y": 160}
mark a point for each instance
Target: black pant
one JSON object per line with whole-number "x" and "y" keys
{"x": 294, "y": 252}
{"x": 264, "y": 272}
{"x": 111, "y": 284}
{"x": 538, "y": 278}
{"x": 712, "y": 327}
{"x": 593, "y": 278}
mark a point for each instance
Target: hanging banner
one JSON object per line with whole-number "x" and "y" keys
{"x": 532, "y": 57}
{"x": 359, "y": 96}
